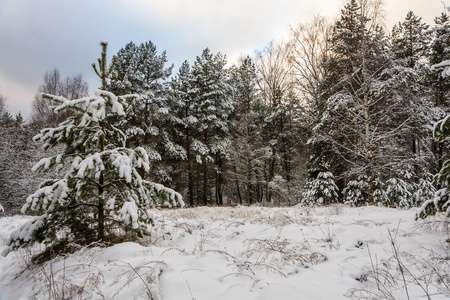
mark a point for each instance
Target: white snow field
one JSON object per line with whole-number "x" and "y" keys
{"x": 335, "y": 252}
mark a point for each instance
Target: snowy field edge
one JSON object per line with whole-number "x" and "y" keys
{"x": 334, "y": 252}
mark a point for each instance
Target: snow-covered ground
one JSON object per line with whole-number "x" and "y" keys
{"x": 235, "y": 253}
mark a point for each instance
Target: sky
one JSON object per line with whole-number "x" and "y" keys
{"x": 38, "y": 36}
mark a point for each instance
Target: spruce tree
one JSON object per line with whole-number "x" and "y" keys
{"x": 139, "y": 69}
{"x": 441, "y": 132}
{"x": 321, "y": 190}
{"x": 212, "y": 107}
{"x": 248, "y": 154}
{"x": 102, "y": 194}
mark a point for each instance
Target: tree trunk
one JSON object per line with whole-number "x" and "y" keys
{"x": 101, "y": 200}
{"x": 190, "y": 181}
{"x": 205, "y": 173}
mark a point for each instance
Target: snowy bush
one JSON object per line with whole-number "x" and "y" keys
{"x": 357, "y": 192}
{"x": 102, "y": 193}
{"x": 399, "y": 190}
{"x": 322, "y": 190}
{"x": 425, "y": 189}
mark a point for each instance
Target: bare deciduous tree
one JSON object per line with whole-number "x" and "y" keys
{"x": 309, "y": 49}
{"x": 70, "y": 87}
{"x": 2, "y": 104}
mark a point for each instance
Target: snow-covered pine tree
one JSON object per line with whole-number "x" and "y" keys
{"x": 148, "y": 122}
{"x": 409, "y": 45}
{"x": 440, "y": 51}
{"x": 102, "y": 194}
{"x": 410, "y": 39}
{"x": 357, "y": 192}
{"x": 248, "y": 153}
{"x": 399, "y": 190}
{"x": 322, "y": 190}
{"x": 439, "y": 81}
{"x": 425, "y": 189}
{"x": 212, "y": 107}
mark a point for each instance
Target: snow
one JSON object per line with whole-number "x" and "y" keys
{"x": 246, "y": 253}
{"x": 445, "y": 66}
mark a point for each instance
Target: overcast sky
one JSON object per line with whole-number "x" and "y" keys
{"x": 39, "y": 35}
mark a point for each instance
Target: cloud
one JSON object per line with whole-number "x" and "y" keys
{"x": 37, "y": 36}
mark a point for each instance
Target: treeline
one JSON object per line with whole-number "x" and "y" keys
{"x": 342, "y": 112}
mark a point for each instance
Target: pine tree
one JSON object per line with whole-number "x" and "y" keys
{"x": 248, "y": 154}
{"x": 148, "y": 122}
{"x": 410, "y": 39}
{"x": 186, "y": 122}
{"x": 321, "y": 190}
{"x": 439, "y": 82}
{"x": 16, "y": 156}
{"x": 212, "y": 108}
{"x": 399, "y": 190}
{"x": 441, "y": 131}
{"x": 102, "y": 193}
{"x": 356, "y": 192}
{"x": 364, "y": 119}
{"x": 425, "y": 189}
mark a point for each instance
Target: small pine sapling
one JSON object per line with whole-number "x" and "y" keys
{"x": 425, "y": 189}
{"x": 356, "y": 192}
{"x": 102, "y": 196}
{"x": 399, "y": 190}
{"x": 322, "y": 190}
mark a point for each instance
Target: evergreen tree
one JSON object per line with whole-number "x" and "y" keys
{"x": 148, "y": 122}
{"x": 425, "y": 189}
{"x": 102, "y": 193}
{"x": 186, "y": 123}
{"x": 16, "y": 157}
{"x": 441, "y": 200}
{"x": 410, "y": 39}
{"x": 439, "y": 82}
{"x": 356, "y": 192}
{"x": 321, "y": 190}
{"x": 212, "y": 108}
{"x": 364, "y": 120}
{"x": 248, "y": 154}
{"x": 399, "y": 189}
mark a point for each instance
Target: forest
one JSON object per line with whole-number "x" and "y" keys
{"x": 342, "y": 112}
{"x": 317, "y": 168}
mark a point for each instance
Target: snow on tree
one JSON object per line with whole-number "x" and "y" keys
{"x": 16, "y": 149}
{"x": 322, "y": 190}
{"x": 399, "y": 190}
{"x": 441, "y": 131}
{"x": 368, "y": 114}
{"x": 102, "y": 194}
{"x": 425, "y": 189}
{"x": 248, "y": 153}
{"x": 357, "y": 192}
{"x": 444, "y": 67}
{"x": 148, "y": 122}
{"x": 212, "y": 106}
